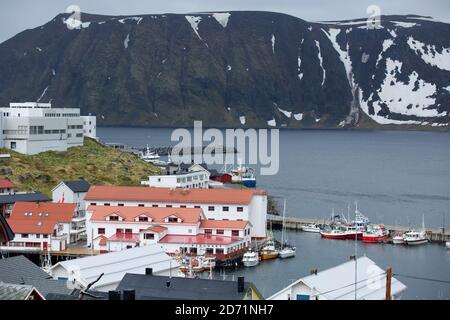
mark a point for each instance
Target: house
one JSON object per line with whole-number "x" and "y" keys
{"x": 7, "y": 201}
{"x": 10, "y": 291}
{"x": 71, "y": 192}
{"x": 181, "y": 176}
{"x": 32, "y": 127}
{"x": 7, "y": 187}
{"x": 337, "y": 283}
{"x": 218, "y": 204}
{"x": 114, "y": 266}
{"x": 115, "y": 228}
{"x": 41, "y": 226}
{"x": 21, "y": 271}
{"x": 154, "y": 287}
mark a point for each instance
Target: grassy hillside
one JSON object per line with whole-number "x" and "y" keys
{"x": 94, "y": 162}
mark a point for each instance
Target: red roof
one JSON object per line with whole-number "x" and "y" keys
{"x": 39, "y": 217}
{"x": 199, "y": 239}
{"x": 125, "y": 237}
{"x": 5, "y": 183}
{"x": 147, "y": 194}
{"x": 157, "y": 229}
{"x": 223, "y": 224}
{"x": 187, "y": 215}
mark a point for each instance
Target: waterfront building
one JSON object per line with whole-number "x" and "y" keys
{"x": 337, "y": 283}
{"x": 149, "y": 286}
{"x": 114, "y": 266}
{"x": 42, "y": 226}
{"x": 180, "y": 176}
{"x": 217, "y": 204}
{"x": 33, "y": 127}
{"x": 114, "y": 228}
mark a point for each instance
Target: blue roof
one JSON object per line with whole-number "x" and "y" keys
{"x": 22, "y": 197}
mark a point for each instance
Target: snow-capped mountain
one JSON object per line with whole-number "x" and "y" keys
{"x": 235, "y": 69}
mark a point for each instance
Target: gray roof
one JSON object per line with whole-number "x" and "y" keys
{"x": 20, "y": 270}
{"x": 153, "y": 287}
{"x": 10, "y": 291}
{"x": 78, "y": 185}
{"x": 22, "y": 197}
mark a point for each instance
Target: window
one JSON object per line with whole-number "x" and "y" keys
{"x": 182, "y": 206}
{"x": 149, "y": 236}
{"x": 197, "y": 207}
{"x": 101, "y": 230}
{"x": 219, "y": 251}
{"x": 120, "y": 204}
{"x": 240, "y": 209}
{"x": 107, "y": 204}
{"x": 226, "y": 209}
{"x": 208, "y": 231}
{"x": 143, "y": 219}
{"x": 13, "y": 145}
{"x": 25, "y": 235}
{"x": 140, "y": 205}
{"x": 38, "y": 236}
{"x": 168, "y": 206}
{"x": 154, "y": 205}
{"x": 209, "y": 251}
{"x": 93, "y": 204}
{"x": 113, "y": 218}
{"x": 45, "y": 236}
{"x": 119, "y": 230}
{"x": 172, "y": 219}
{"x": 219, "y": 231}
{"x": 211, "y": 208}
{"x": 235, "y": 233}
{"x": 128, "y": 230}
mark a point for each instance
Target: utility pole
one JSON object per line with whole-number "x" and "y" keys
{"x": 388, "y": 283}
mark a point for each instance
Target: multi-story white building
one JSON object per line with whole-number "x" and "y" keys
{"x": 32, "y": 127}
{"x": 189, "y": 180}
{"x": 114, "y": 228}
{"x": 217, "y": 204}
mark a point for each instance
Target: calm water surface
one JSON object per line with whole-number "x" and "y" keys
{"x": 395, "y": 176}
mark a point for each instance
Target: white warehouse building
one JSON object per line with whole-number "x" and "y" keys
{"x": 32, "y": 127}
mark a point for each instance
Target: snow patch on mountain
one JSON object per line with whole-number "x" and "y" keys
{"x": 272, "y": 123}
{"x": 319, "y": 54}
{"x": 273, "y": 43}
{"x": 242, "y": 119}
{"x": 343, "y": 55}
{"x": 137, "y": 19}
{"x": 286, "y": 113}
{"x": 126, "y": 41}
{"x": 194, "y": 22}
{"x": 222, "y": 18}
{"x": 386, "y": 45}
{"x": 430, "y": 54}
{"x": 298, "y": 116}
{"x": 43, "y": 94}
{"x": 405, "y": 24}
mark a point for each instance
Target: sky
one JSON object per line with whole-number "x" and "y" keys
{"x": 19, "y": 15}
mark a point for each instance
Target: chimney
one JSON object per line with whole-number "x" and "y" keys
{"x": 113, "y": 295}
{"x": 129, "y": 294}
{"x": 148, "y": 271}
{"x": 240, "y": 284}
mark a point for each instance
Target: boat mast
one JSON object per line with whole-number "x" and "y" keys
{"x": 283, "y": 228}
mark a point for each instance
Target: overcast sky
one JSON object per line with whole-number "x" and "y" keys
{"x": 18, "y": 15}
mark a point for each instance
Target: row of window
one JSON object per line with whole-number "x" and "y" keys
{"x": 75, "y": 127}
{"x": 210, "y": 208}
{"x": 57, "y": 115}
{"x": 38, "y": 236}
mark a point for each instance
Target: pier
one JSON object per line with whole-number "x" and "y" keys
{"x": 293, "y": 223}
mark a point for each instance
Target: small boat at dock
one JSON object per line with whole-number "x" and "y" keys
{"x": 149, "y": 156}
{"x": 398, "y": 238}
{"x": 250, "y": 259}
{"x": 415, "y": 238}
{"x": 312, "y": 227}
{"x": 287, "y": 250}
{"x": 375, "y": 234}
{"x": 447, "y": 244}
{"x": 337, "y": 234}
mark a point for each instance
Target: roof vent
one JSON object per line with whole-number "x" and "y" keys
{"x": 39, "y": 223}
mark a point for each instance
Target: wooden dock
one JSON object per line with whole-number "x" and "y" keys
{"x": 293, "y": 223}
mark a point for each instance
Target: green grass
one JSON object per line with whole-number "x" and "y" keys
{"x": 94, "y": 162}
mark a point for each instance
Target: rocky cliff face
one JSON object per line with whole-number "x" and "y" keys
{"x": 235, "y": 69}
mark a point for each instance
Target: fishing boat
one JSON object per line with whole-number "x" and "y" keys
{"x": 287, "y": 250}
{"x": 149, "y": 156}
{"x": 312, "y": 227}
{"x": 242, "y": 175}
{"x": 416, "y": 237}
{"x": 250, "y": 259}
{"x": 398, "y": 238}
{"x": 352, "y": 231}
{"x": 269, "y": 250}
{"x": 337, "y": 234}
{"x": 375, "y": 233}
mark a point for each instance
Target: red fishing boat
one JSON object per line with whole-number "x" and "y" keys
{"x": 333, "y": 234}
{"x": 375, "y": 233}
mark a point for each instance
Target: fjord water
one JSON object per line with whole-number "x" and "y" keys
{"x": 395, "y": 176}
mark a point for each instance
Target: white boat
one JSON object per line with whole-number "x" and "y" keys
{"x": 287, "y": 251}
{"x": 416, "y": 237}
{"x": 312, "y": 227}
{"x": 398, "y": 239}
{"x": 250, "y": 259}
{"x": 149, "y": 156}
{"x": 447, "y": 244}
